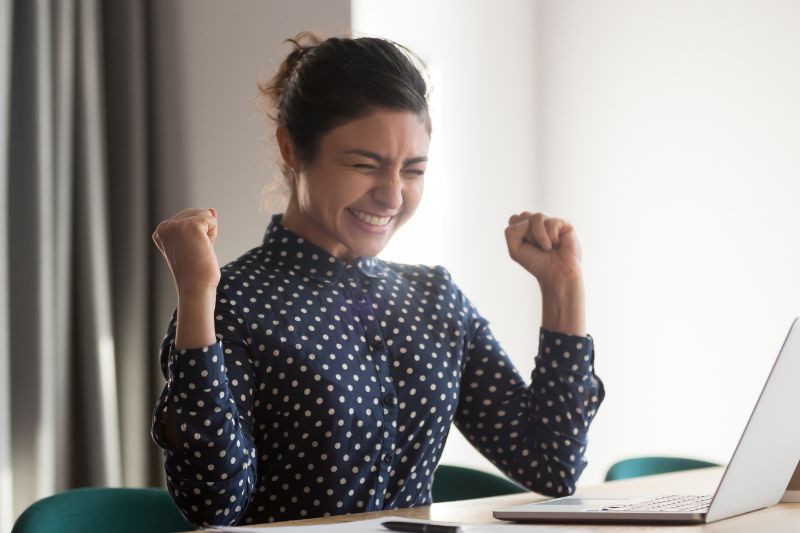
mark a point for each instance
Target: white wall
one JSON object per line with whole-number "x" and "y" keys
{"x": 667, "y": 132}
{"x": 670, "y": 133}
{"x": 482, "y": 158}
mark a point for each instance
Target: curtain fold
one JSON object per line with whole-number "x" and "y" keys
{"x": 92, "y": 226}
{"x": 64, "y": 53}
{"x": 129, "y": 211}
{"x": 77, "y": 364}
{"x": 44, "y": 238}
{"x": 6, "y": 502}
{"x": 24, "y": 277}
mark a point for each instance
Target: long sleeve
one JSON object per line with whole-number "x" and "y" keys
{"x": 211, "y": 470}
{"x": 535, "y": 433}
{"x": 333, "y": 386}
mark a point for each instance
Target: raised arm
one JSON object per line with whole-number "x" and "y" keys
{"x": 203, "y": 418}
{"x": 536, "y": 433}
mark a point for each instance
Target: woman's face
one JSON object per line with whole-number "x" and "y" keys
{"x": 365, "y": 182}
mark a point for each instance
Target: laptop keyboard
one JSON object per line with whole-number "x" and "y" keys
{"x": 663, "y": 504}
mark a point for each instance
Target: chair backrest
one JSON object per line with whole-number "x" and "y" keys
{"x": 647, "y": 466}
{"x": 121, "y": 510}
{"x": 452, "y": 483}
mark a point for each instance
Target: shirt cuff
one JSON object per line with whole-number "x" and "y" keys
{"x": 571, "y": 353}
{"x": 197, "y": 378}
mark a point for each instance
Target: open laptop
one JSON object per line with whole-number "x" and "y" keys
{"x": 756, "y": 477}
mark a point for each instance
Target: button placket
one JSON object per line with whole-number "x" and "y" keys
{"x": 390, "y": 399}
{"x": 362, "y": 298}
{"x": 387, "y": 408}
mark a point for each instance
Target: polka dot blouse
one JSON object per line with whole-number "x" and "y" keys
{"x": 332, "y": 388}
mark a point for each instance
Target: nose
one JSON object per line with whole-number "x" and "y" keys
{"x": 388, "y": 192}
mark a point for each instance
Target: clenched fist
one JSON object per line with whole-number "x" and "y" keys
{"x": 186, "y": 241}
{"x": 546, "y": 247}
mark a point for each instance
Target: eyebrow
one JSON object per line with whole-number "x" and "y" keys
{"x": 383, "y": 160}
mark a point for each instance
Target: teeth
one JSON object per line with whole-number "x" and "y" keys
{"x": 369, "y": 219}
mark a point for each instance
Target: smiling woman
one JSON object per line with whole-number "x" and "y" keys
{"x": 310, "y": 378}
{"x": 365, "y": 182}
{"x": 353, "y": 131}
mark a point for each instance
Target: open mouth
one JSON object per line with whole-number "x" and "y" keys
{"x": 368, "y": 218}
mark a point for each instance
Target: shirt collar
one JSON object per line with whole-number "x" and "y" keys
{"x": 291, "y": 251}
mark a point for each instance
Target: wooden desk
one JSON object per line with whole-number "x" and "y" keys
{"x": 780, "y": 518}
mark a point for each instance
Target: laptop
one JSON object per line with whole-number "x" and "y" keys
{"x": 756, "y": 476}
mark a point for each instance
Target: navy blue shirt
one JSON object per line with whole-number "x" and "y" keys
{"x": 333, "y": 386}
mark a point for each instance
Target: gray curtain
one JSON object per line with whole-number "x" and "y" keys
{"x": 78, "y": 374}
{"x": 5, "y": 396}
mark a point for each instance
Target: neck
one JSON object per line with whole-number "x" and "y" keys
{"x": 295, "y": 221}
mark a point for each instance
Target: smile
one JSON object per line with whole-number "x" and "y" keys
{"x": 370, "y": 219}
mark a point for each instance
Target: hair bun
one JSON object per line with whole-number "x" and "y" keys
{"x": 302, "y": 43}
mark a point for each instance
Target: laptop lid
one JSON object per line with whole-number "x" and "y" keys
{"x": 769, "y": 448}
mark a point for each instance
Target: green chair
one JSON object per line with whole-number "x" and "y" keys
{"x": 648, "y": 466}
{"x": 452, "y": 483}
{"x": 117, "y": 510}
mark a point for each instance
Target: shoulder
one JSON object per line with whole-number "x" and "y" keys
{"x": 257, "y": 270}
{"x": 236, "y": 274}
{"x": 433, "y": 285}
{"x": 427, "y": 281}
{"x": 425, "y": 275}
{"x": 250, "y": 261}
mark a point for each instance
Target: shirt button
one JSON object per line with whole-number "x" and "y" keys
{"x": 387, "y": 459}
{"x": 390, "y": 400}
{"x": 377, "y": 345}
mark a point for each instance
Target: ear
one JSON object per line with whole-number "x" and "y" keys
{"x": 286, "y": 146}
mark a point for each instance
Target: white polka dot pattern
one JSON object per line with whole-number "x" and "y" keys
{"x": 333, "y": 386}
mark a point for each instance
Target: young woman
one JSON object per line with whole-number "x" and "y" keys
{"x": 308, "y": 377}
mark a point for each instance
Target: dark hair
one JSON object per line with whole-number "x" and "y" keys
{"x": 324, "y": 84}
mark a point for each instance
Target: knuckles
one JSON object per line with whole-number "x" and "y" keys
{"x": 537, "y": 218}
{"x": 177, "y": 227}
